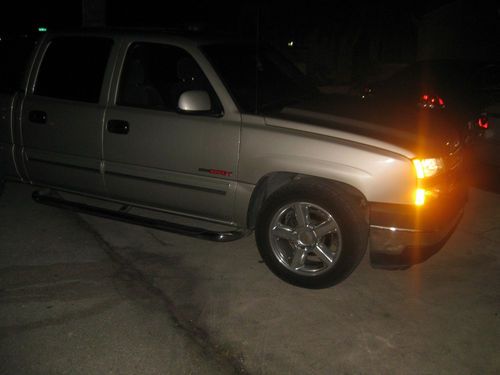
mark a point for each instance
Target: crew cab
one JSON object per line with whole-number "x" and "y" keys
{"x": 229, "y": 133}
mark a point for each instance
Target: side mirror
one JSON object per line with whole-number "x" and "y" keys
{"x": 194, "y": 101}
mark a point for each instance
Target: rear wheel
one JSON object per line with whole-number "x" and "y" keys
{"x": 311, "y": 235}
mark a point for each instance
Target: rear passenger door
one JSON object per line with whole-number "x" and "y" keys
{"x": 156, "y": 156}
{"x": 15, "y": 52}
{"x": 63, "y": 112}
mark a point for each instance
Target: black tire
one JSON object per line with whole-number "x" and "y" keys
{"x": 297, "y": 248}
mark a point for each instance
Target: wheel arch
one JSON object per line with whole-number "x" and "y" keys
{"x": 274, "y": 181}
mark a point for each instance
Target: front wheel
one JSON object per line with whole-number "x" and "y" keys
{"x": 311, "y": 235}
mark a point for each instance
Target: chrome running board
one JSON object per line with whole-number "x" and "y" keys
{"x": 52, "y": 200}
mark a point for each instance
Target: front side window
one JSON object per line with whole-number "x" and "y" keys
{"x": 73, "y": 68}
{"x": 155, "y": 75}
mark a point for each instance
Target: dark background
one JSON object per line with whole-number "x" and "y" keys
{"x": 333, "y": 42}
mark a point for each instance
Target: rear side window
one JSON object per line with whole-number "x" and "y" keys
{"x": 14, "y": 56}
{"x": 73, "y": 68}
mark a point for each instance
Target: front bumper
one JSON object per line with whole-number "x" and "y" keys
{"x": 395, "y": 229}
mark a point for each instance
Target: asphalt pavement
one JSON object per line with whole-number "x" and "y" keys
{"x": 86, "y": 295}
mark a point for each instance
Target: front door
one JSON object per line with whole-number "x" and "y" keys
{"x": 156, "y": 156}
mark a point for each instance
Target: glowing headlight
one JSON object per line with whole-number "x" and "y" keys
{"x": 428, "y": 167}
{"x": 420, "y": 197}
{"x": 425, "y": 168}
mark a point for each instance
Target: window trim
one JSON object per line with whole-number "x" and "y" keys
{"x": 41, "y": 52}
{"x": 120, "y": 69}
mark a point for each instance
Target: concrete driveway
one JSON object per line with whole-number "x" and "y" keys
{"x": 84, "y": 295}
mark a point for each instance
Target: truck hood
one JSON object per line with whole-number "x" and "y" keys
{"x": 412, "y": 132}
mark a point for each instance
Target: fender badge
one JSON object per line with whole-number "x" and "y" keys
{"x": 218, "y": 172}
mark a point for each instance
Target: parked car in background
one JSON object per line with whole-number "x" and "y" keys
{"x": 484, "y": 138}
{"x": 458, "y": 87}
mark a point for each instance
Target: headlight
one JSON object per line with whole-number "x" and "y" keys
{"x": 420, "y": 197}
{"x": 428, "y": 167}
{"x": 425, "y": 168}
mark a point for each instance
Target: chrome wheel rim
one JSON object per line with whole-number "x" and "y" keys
{"x": 305, "y": 238}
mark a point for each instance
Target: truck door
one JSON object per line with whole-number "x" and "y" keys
{"x": 159, "y": 157}
{"x": 62, "y": 116}
{"x": 15, "y": 52}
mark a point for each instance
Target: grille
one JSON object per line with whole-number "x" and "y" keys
{"x": 454, "y": 159}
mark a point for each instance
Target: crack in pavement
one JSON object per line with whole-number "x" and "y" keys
{"x": 192, "y": 331}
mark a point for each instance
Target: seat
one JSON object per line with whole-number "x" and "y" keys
{"x": 136, "y": 91}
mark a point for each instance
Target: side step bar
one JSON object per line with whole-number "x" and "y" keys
{"x": 55, "y": 201}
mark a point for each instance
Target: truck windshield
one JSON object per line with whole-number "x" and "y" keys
{"x": 259, "y": 80}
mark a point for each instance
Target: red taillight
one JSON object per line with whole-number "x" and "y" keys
{"x": 431, "y": 101}
{"x": 482, "y": 122}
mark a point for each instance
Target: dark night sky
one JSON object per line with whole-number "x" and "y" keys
{"x": 392, "y": 28}
{"x": 22, "y": 15}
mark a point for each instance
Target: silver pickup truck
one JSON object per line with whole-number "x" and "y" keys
{"x": 225, "y": 133}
